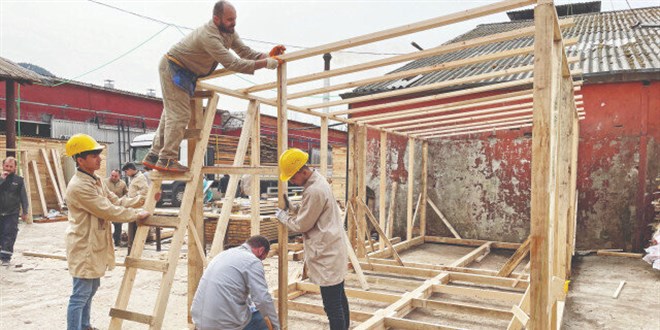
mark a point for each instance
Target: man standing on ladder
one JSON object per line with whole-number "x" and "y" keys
{"x": 195, "y": 56}
{"x": 92, "y": 207}
{"x": 119, "y": 188}
{"x": 319, "y": 220}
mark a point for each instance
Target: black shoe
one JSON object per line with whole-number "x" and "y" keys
{"x": 170, "y": 165}
{"x": 150, "y": 161}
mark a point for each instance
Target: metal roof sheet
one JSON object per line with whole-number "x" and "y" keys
{"x": 609, "y": 43}
{"x": 12, "y": 71}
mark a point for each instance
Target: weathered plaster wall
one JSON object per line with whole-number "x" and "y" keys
{"x": 482, "y": 183}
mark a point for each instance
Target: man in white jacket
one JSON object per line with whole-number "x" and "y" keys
{"x": 319, "y": 219}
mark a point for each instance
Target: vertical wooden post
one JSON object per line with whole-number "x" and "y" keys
{"x": 411, "y": 187}
{"x": 543, "y": 165}
{"x": 10, "y": 127}
{"x": 282, "y": 188}
{"x": 573, "y": 196}
{"x": 424, "y": 189}
{"x": 361, "y": 173}
{"x": 351, "y": 182}
{"x": 324, "y": 146}
{"x": 25, "y": 172}
{"x": 255, "y": 185}
{"x": 195, "y": 261}
{"x": 382, "y": 192}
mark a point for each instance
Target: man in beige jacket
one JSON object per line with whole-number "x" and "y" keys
{"x": 197, "y": 55}
{"x": 119, "y": 188}
{"x": 319, "y": 220}
{"x": 137, "y": 187}
{"x": 92, "y": 208}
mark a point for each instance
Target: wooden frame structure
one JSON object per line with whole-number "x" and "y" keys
{"x": 546, "y": 102}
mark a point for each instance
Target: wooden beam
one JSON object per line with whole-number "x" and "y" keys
{"x": 508, "y": 297}
{"x": 37, "y": 180}
{"x": 468, "y": 270}
{"x": 400, "y": 323}
{"x": 492, "y": 281}
{"x": 352, "y": 293}
{"x": 309, "y": 308}
{"x": 355, "y": 262}
{"x": 381, "y": 234}
{"x": 424, "y": 188}
{"x": 241, "y": 169}
{"x": 444, "y": 219}
{"x": 53, "y": 180}
{"x": 443, "y": 49}
{"x": 463, "y": 308}
{"x": 59, "y": 173}
{"x": 361, "y": 173}
{"x": 351, "y": 183}
{"x": 232, "y": 186}
{"x": 255, "y": 184}
{"x": 471, "y": 242}
{"x": 382, "y": 170}
{"x": 399, "y": 247}
{"x": 324, "y": 147}
{"x": 476, "y": 253}
{"x": 282, "y": 187}
{"x": 515, "y": 259}
{"x": 411, "y": 187}
{"x": 390, "y": 214}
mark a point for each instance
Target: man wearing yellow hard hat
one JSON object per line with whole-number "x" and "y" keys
{"x": 92, "y": 208}
{"x": 319, "y": 219}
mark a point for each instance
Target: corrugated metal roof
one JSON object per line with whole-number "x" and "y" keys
{"x": 10, "y": 70}
{"x": 609, "y": 43}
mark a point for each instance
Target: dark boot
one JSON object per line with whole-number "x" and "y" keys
{"x": 170, "y": 165}
{"x": 150, "y": 161}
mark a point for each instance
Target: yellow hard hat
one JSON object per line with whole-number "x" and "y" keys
{"x": 81, "y": 143}
{"x": 291, "y": 161}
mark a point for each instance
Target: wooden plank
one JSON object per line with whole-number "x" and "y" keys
{"x": 619, "y": 254}
{"x": 471, "y": 242}
{"x": 59, "y": 173}
{"x": 52, "y": 178}
{"x": 238, "y": 170}
{"x": 463, "y": 308}
{"x": 282, "y": 230}
{"x": 298, "y": 306}
{"x": 444, "y": 219}
{"x": 411, "y": 187}
{"x": 382, "y": 191}
{"x": 351, "y": 182}
{"x": 515, "y": 323}
{"x": 37, "y": 180}
{"x": 374, "y": 223}
{"x": 196, "y": 249}
{"x": 255, "y": 184}
{"x": 543, "y": 165}
{"x": 399, "y": 323}
{"x": 324, "y": 147}
{"x": 469, "y": 270}
{"x": 618, "y": 290}
{"x": 390, "y": 214}
{"x": 162, "y": 221}
{"x": 352, "y": 293}
{"x": 356, "y": 263}
{"x": 424, "y": 188}
{"x": 131, "y": 316}
{"x": 443, "y": 49}
{"x": 508, "y": 297}
{"x": 25, "y": 172}
{"x": 515, "y": 259}
{"x": 399, "y": 247}
{"x": 361, "y": 173}
{"x": 221, "y": 229}
{"x": 155, "y": 265}
{"x": 400, "y": 31}
{"x": 476, "y": 253}
{"x": 522, "y": 317}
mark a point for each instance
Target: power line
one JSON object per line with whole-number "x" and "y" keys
{"x": 248, "y": 39}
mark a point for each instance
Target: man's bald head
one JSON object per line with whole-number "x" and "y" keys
{"x": 224, "y": 16}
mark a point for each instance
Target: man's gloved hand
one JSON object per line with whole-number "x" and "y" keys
{"x": 281, "y": 215}
{"x": 272, "y": 63}
{"x": 277, "y": 50}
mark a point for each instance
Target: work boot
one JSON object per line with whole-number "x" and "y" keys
{"x": 170, "y": 165}
{"x": 150, "y": 161}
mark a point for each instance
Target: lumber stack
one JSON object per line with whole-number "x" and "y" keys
{"x": 226, "y": 145}
{"x": 339, "y": 172}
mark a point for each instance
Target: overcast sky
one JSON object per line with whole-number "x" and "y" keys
{"x": 71, "y": 38}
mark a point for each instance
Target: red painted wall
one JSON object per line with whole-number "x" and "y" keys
{"x": 481, "y": 182}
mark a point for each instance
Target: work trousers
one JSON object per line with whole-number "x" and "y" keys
{"x": 116, "y": 235}
{"x": 175, "y": 116}
{"x": 335, "y": 305}
{"x": 80, "y": 303}
{"x": 8, "y": 232}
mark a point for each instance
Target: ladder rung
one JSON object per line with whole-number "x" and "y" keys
{"x": 165, "y": 176}
{"x": 192, "y": 133}
{"x": 203, "y": 94}
{"x": 155, "y": 265}
{"x": 162, "y": 221}
{"x": 131, "y": 316}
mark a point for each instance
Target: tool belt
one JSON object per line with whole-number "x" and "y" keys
{"x": 181, "y": 76}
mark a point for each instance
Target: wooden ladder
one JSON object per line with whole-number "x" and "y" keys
{"x": 135, "y": 261}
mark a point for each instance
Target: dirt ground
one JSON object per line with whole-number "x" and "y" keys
{"x": 34, "y": 292}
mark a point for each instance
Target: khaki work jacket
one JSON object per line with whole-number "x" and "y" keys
{"x": 138, "y": 186}
{"x": 92, "y": 206}
{"x": 205, "y": 47}
{"x": 118, "y": 188}
{"x": 319, "y": 220}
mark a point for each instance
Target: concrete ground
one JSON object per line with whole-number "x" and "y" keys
{"x": 34, "y": 291}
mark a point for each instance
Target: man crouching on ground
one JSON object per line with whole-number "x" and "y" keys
{"x": 92, "y": 207}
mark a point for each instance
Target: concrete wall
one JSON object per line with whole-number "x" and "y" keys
{"x": 482, "y": 182}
